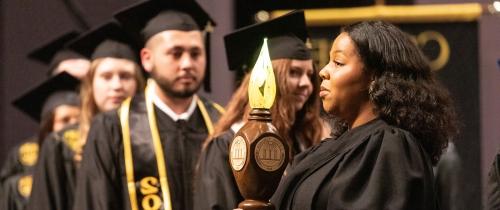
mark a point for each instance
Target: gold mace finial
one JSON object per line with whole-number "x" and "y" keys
{"x": 262, "y": 86}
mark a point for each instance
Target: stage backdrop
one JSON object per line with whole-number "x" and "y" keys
{"x": 448, "y": 36}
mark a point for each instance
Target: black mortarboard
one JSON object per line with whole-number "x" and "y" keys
{"x": 54, "y": 51}
{"x": 148, "y": 18}
{"x": 55, "y": 91}
{"x": 145, "y": 19}
{"x": 107, "y": 40}
{"x": 286, "y": 39}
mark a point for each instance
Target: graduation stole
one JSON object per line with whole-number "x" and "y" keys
{"x": 28, "y": 155}
{"x": 148, "y": 184}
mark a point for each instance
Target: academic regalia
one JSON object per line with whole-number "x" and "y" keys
{"x": 373, "y": 166}
{"x": 38, "y": 103}
{"x": 54, "y": 51}
{"x": 55, "y": 173}
{"x": 493, "y": 185}
{"x": 106, "y": 40}
{"x": 20, "y": 159}
{"x": 448, "y": 177}
{"x": 102, "y": 179}
{"x": 16, "y": 191}
{"x": 216, "y": 186}
{"x": 287, "y": 36}
{"x": 123, "y": 161}
{"x": 55, "y": 177}
{"x": 145, "y": 19}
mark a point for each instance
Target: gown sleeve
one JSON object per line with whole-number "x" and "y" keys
{"x": 11, "y": 165}
{"x": 98, "y": 180}
{"x": 493, "y": 186}
{"x": 216, "y": 188}
{"x": 449, "y": 181}
{"x": 10, "y": 168}
{"x": 49, "y": 180}
{"x": 5, "y": 195}
{"x": 12, "y": 199}
{"x": 389, "y": 171}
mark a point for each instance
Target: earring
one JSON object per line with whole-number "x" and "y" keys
{"x": 371, "y": 86}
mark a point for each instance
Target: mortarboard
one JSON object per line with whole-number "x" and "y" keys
{"x": 286, "y": 39}
{"x": 106, "y": 40}
{"x": 55, "y": 91}
{"x": 54, "y": 51}
{"x": 145, "y": 19}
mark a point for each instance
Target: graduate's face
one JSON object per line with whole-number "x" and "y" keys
{"x": 114, "y": 81}
{"x": 299, "y": 81}
{"x": 344, "y": 86}
{"x": 176, "y": 61}
{"x": 65, "y": 115}
{"x": 76, "y": 67}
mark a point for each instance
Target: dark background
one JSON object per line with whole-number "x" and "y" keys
{"x": 25, "y": 24}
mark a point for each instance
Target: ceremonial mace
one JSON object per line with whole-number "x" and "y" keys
{"x": 258, "y": 154}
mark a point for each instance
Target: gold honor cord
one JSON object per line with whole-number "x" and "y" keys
{"x": 206, "y": 117}
{"x": 162, "y": 169}
{"x": 219, "y": 108}
{"x": 160, "y": 158}
{"x": 129, "y": 164}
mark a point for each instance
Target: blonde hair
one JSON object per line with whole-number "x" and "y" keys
{"x": 89, "y": 106}
{"x": 290, "y": 124}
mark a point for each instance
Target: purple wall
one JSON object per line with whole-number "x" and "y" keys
{"x": 489, "y": 76}
{"x": 222, "y": 12}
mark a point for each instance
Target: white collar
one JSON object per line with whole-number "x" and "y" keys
{"x": 237, "y": 126}
{"x": 167, "y": 110}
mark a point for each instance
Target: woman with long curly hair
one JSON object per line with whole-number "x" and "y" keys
{"x": 296, "y": 107}
{"x": 394, "y": 122}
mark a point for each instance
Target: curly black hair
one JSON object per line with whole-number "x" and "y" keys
{"x": 405, "y": 92}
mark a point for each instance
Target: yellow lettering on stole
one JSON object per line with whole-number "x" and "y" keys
{"x": 149, "y": 188}
{"x": 28, "y": 153}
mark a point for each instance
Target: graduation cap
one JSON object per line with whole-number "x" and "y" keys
{"x": 145, "y": 19}
{"x": 286, "y": 35}
{"x": 54, "y": 51}
{"x": 106, "y": 40}
{"x": 55, "y": 91}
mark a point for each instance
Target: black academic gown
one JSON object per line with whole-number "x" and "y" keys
{"x": 493, "y": 185}
{"x": 448, "y": 173}
{"x": 102, "y": 180}
{"x": 19, "y": 165}
{"x": 374, "y": 166}
{"x": 215, "y": 186}
{"x": 16, "y": 192}
{"x": 17, "y": 162}
{"x": 55, "y": 172}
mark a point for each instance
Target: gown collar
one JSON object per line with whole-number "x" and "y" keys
{"x": 167, "y": 110}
